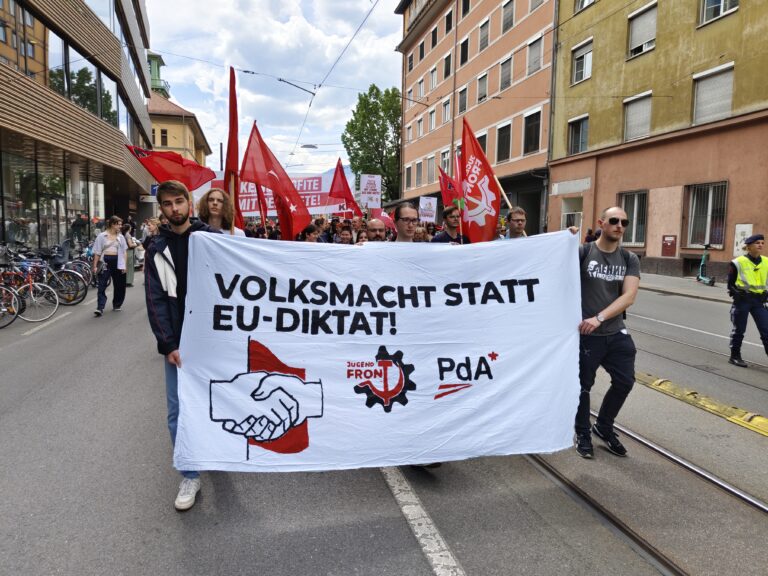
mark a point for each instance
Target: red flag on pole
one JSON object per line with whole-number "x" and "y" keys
{"x": 171, "y": 166}
{"x": 340, "y": 189}
{"x": 262, "y": 201}
{"x": 482, "y": 196}
{"x": 231, "y": 180}
{"x": 449, "y": 190}
{"x": 380, "y": 214}
{"x": 261, "y": 166}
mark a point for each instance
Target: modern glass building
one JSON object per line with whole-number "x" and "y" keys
{"x": 74, "y": 83}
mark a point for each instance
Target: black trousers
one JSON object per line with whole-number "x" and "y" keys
{"x": 740, "y": 311}
{"x": 118, "y": 284}
{"x": 616, "y": 353}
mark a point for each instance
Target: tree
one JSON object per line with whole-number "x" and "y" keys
{"x": 372, "y": 137}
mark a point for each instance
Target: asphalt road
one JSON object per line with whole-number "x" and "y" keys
{"x": 88, "y": 485}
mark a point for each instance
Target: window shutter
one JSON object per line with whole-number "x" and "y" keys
{"x": 642, "y": 29}
{"x": 713, "y": 97}
{"x": 637, "y": 121}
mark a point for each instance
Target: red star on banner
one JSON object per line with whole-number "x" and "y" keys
{"x": 493, "y": 356}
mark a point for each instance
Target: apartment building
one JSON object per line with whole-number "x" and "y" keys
{"x": 173, "y": 128}
{"x": 488, "y": 61}
{"x": 73, "y": 83}
{"x": 662, "y": 107}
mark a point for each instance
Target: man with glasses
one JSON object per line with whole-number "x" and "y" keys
{"x": 610, "y": 276}
{"x": 406, "y": 221}
{"x": 517, "y": 220}
{"x": 450, "y": 233}
{"x": 377, "y": 232}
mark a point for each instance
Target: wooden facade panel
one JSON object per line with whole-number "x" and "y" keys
{"x": 137, "y": 40}
{"x": 136, "y": 99}
{"x": 34, "y": 110}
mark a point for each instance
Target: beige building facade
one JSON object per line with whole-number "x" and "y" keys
{"x": 73, "y": 83}
{"x": 488, "y": 61}
{"x": 662, "y": 108}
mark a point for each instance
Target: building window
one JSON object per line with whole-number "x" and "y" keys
{"x": 29, "y": 20}
{"x": 505, "y": 74}
{"x": 711, "y": 9}
{"x": 531, "y": 132}
{"x": 83, "y": 89}
{"x": 581, "y": 4}
{"x": 30, "y": 49}
{"x": 163, "y": 137}
{"x": 445, "y": 160}
{"x": 421, "y": 51}
{"x": 482, "y": 139}
{"x": 57, "y": 80}
{"x": 430, "y": 169}
{"x": 581, "y": 62}
{"x": 409, "y": 98}
{"x": 642, "y": 32}
{"x": 634, "y": 204}
{"x": 418, "y": 174}
{"x": 409, "y": 133}
{"x": 713, "y": 96}
{"x": 706, "y": 214}
{"x": 421, "y": 88}
{"x": 109, "y": 99}
{"x": 535, "y": 4}
{"x": 431, "y": 120}
{"x": 410, "y": 61}
{"x": 407, "y": 177}
{"x": 578, "y": 133}
{"x": 462, "y": 100}
{"x": 446, "y": 111}
{"x": 465, "y": 7}
{"x": 433, "y": 79}
{"x": 637, "y": 117}
{"x": 503, "y": 142}
{"x": 434, "y": 37}
{"x": 482, "y": 88}
{"x": 153, "y": 137}
{"x": 419, "y": 128}
{"x": 448, "y": 22}
{"x": 446, "y": 66}
{"x": 484, "y": 35}
{"x": 507, "y": 16}
{"x": 3, "y": 35}
{"x": 464, "y": 52}
{"x": 534, "y": 56}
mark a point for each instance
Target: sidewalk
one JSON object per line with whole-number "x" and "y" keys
{"x": 684, "y": 287}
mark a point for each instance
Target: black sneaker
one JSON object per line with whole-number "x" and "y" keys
{"x": 584, "y": 445}
{"x": 611, "y": 441}
{"x": 737, "y": 361}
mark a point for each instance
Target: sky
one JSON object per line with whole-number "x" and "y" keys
{"x": 296, "y": 40}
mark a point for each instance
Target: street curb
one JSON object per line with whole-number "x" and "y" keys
{"x": 749, "y": 420}
{"x": 687, "y": 295}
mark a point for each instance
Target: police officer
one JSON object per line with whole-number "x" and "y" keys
{"x": 747, "y": 286}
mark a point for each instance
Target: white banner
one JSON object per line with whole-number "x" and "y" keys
{"x": 427, "y": 208}
{"x": 370, "y": 191}
{"x": 439, "y": 355}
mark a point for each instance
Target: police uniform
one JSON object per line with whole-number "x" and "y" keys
{"x": 747, "y": 286}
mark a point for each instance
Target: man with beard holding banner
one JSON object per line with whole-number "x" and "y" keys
{"x": 166, "y": 288}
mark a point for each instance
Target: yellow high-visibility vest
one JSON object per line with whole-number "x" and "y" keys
{"x": 750, "y": 276}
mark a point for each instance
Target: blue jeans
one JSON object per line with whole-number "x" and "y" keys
{"x": 118, "y": 284}
{"x": 172, "y": 396}
{"x": 616, "y": 353}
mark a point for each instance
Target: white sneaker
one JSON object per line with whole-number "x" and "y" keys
{"x": 188, "y": 490}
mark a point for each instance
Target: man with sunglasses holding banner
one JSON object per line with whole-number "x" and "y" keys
{"x": 610, "y": 276}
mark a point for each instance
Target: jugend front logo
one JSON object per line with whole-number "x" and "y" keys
{"x": 385, "y": 381}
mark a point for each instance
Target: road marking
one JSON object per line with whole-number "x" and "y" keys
{"x": 55, "y": 319}
{"x": 440, "y": 557}
{"x": 688, "y": 328}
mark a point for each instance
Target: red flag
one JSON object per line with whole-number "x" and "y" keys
{"x": 171, "y": 166}
{"x": 261, "y": 166}
{"x": 379, "y": 214}
{"x": 340, "y": 189}
{"x": 231, "y": 180}
{"x": 448, "y": 188}
{"x": 482, "y": 197}
{"x": 262, "y": 201}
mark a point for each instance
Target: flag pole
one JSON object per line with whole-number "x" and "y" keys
{"x": 232, "y": 203}
{"x": 504, "y": 194}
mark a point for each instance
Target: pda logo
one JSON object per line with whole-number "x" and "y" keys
{"x": 385, "y": 381}
{"x": 467, "y": 371}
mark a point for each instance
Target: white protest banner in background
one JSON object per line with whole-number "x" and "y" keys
{"x": 427, "y": 208}
{"x": 370, "y": 191}
{"x": 440, "y": 355}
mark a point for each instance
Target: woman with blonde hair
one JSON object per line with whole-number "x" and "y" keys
{"x": 215, "y": 209}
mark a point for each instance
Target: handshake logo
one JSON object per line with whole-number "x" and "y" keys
{"x": 263, "y": 406}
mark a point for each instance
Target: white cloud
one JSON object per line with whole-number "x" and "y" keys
{"x": 297, "y": 40}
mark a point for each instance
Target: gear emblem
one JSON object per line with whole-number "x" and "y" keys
{"x": 385, "y": 391}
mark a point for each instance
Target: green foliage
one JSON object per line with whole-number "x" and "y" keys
{"x": 83, "y": 89}
{"x": 372, "y": 138}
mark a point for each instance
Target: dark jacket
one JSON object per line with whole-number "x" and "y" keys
{"x": 165, "y": 317}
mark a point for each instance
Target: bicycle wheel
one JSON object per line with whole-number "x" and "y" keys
{"x": 82, "y": 268}
{"x": 9, "y": 306}
{"x": 70, "y": 287}
{"x": 40, "y": 302}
